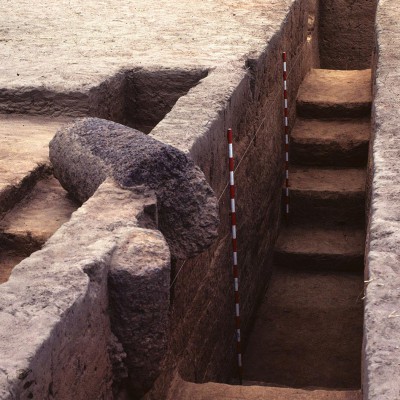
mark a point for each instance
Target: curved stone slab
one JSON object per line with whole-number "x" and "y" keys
{"x": 87, "y": 151}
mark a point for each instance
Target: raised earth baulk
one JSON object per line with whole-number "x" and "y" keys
{"x": 59, "y": 296}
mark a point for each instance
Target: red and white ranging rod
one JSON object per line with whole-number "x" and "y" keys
{"x": 235, "y": 268}
{"x": 286, "y": 119}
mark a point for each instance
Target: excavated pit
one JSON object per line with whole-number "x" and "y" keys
{"x": 33, "y": 205}
{"x": 308, "y": 329}
{"x": 139, "y": 98}
{"x": 150, "y": 95}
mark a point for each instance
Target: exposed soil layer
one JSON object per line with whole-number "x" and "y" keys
{"x": 23, "y": 154}
{"x": 321, "y": 248}
{"x": 327, "y": 196}
{"x": 335, "y": 94}
{"x": 334, "y": 142}
{"x": 33, "y": 205}
{"x": 308, "y": 331}
{"x": 346, "y": 30}
{"x": 328, "y": 180}
{"x": 26, "y": 227}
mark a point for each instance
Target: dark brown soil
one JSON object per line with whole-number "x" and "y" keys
{"x": 308, "y": 331}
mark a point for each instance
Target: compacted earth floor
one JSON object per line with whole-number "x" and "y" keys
{"x": 308, "y": 331}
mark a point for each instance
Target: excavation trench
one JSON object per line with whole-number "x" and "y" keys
{"x": 33, "y": 205}
{"x": 302, "y": 327}
{"x": 301, "y": 281}
{"x": 308, "y": 329}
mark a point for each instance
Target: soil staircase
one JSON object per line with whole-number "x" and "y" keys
{"x": 33, "y": 205}
{"x": 329, "y": 151}
{"x": 308, "y": 330}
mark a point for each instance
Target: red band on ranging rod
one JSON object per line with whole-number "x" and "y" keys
{"x": 286, "y": 122}
{"x": 235, "y": 269}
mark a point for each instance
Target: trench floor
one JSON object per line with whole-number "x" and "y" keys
{"x": 308, "y": 331}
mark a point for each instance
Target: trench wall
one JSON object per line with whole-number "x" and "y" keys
{"x": 139, "y": 98}
{"x": 346, "y": 33}
{"x": 381, "y": 355}
{"x": 57, "y": 341}
{"x": 250, "y": 101}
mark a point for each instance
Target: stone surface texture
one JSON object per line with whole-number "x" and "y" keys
{"x": 346, "y": 33}
{"x": 87, "y": 151}
{"x": 56, "y": 340}
{"x": 382, "y": 301}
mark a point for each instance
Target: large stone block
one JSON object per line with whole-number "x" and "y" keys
{"x": 85, "y": 152}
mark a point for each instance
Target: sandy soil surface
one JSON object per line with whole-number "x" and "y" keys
{"x": 73, "y": 43}
{"x": 23, "y": 150}
{"x": 218, "y": 391}
{"x": 24, "y": 144}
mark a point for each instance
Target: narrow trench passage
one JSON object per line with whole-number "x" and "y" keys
{"x": 308, "y": 329}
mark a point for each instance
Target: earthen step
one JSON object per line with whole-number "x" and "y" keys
{"x": 218, "y": 391}
{"x": 328, "y": 93}
{"x": 330, "y": 143}
{"x": 327, "y": 196}
{"x": 321, "y": 249}
{"x": 31, "y": 222}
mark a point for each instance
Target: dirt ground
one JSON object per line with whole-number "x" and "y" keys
{"x": 23, "y": 146}
{"x": 8, "y": 259}
{"x": 308, "y": 331}
{"x": 100, "y": 37}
